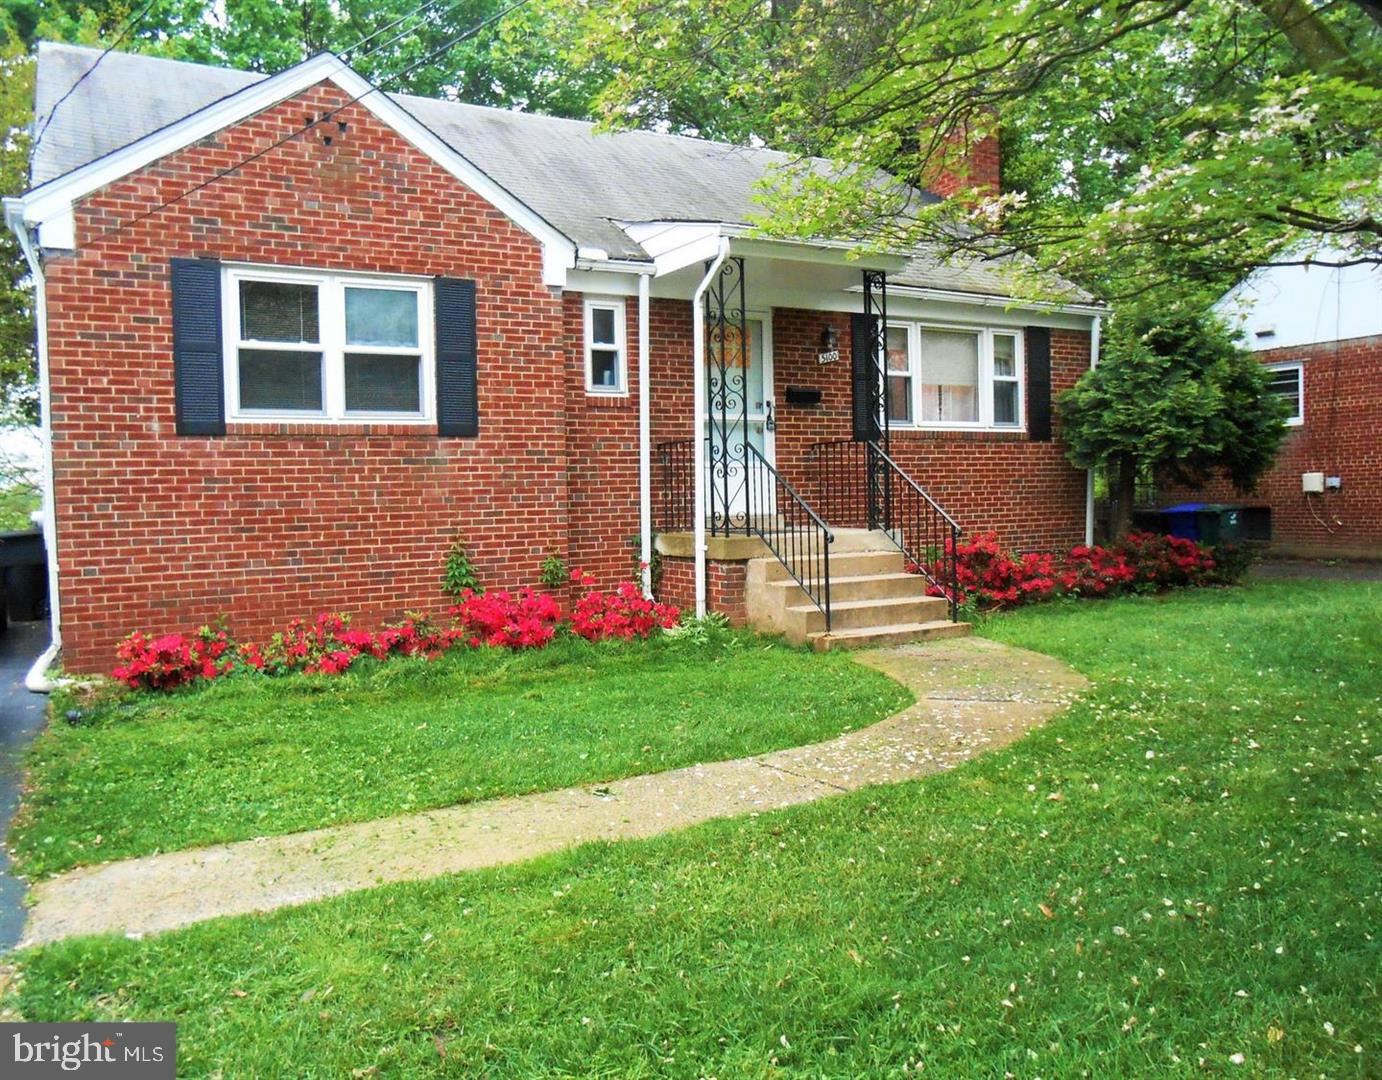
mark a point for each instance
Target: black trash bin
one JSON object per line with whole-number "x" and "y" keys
{"x": 1218, "y": 523}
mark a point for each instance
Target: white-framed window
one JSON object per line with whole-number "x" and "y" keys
{"x": 606, "y": 356}
{"x": 954, "y": 377}
{"x": 1288, "y": 382}
{"x": 303, "y": 345}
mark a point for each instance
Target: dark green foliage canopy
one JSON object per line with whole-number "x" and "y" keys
{"x": 1176, "y": 397}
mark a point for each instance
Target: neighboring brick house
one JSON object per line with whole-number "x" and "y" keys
{"x": 1319, "y": 328}
{"x": 298, "y": 335}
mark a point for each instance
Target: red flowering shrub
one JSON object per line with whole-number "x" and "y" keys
{"x": 521, "y": 620}
{"x": 161, "y": 663}
{"x": 1161, "y": 561}
{"x": 624, "y": 614}
{"x": 327, "y": 645}
{"x": 992, "y": 578}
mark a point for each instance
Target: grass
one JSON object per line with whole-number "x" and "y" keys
{"x": 254, "y": 756}
{"x": 1180, "y": 870}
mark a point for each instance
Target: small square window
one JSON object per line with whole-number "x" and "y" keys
{"x": 1288, "y": 383}
{"x": 605, "y": 354}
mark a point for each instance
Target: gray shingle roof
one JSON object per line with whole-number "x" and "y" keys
{"x": 579, "y": 180}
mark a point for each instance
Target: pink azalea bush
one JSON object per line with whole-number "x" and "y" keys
{"x": 327, "y": 645}
{"x": 161, "y": 663}
{"x": 623, "y": 614}
{"x": 990, "y": 577}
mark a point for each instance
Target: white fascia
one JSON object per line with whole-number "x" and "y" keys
{"x": 675, "y": 245}
{"x": 49, "y": 207}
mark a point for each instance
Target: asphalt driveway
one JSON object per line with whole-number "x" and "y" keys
{"x": 21, "y": 716}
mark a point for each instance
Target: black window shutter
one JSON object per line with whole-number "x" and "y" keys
{"x": 198, "y": 368}
{"x": 1038, "y": 383}
{"x": 865, "y": 420}
{"x": 458, "y": 409}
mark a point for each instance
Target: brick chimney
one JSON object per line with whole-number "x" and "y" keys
{"x": 967, "y": 162}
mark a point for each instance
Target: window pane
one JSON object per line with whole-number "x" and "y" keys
{"x": 270, "y": 379}
{"x": 1004, "y": 355}
{"x": 275, "y": 311}
{"x": 602, "y": 326}
{"x": 382, "y": 383}
{"x": 897, "y": 348}
{"x": 949, "y": 376}
{"x": 381, "y": 317}
{"x": 604, "y": 368}
{"x": 1005, "y": 403}
{"x": 1286, "y": 384}
{"x": 899, "y": 399}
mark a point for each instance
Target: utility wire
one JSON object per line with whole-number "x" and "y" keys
{"x": 129, "y": 26}
{"x": 419, "y": 10}
{"x": 250, "y": 159}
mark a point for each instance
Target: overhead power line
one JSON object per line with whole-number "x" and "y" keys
{"x": 130, "y": 24}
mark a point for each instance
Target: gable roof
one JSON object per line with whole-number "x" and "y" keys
{"x": 582, "y": 182}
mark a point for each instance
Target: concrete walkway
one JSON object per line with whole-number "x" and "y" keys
{"x": 972, "y": 695}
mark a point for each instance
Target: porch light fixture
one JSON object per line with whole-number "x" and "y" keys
{"x": 830, "y": 346}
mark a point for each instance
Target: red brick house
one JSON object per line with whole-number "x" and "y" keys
{"x": 1319, "y": 329}
{"x": 298, "y": 335}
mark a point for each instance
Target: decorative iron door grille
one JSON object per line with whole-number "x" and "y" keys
{"x": 726, "y": 374}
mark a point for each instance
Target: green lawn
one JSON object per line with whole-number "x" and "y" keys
{"x": 256, "y": 756}
{"x": 1181, "y": 869}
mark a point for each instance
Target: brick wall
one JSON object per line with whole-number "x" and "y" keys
{"x": 166, "y": 532}
{"x": 163, "y": 532}
{"x": 1025, "y": 490}
{"x": 1340, "y": 437}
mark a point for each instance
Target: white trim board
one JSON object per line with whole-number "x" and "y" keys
{"x": 49, "y": 207}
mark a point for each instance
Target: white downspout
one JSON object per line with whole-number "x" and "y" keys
{"x": 1095, "y": 324}
{"x": 645, "y": 448}
{"x": 37, "y": 680}
{"x": 698, "y": 421}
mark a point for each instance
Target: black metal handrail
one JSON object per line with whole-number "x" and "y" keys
{"x": 790, "y": 529}
{"x": 676, "y": 493}
{"x": 859, "y": 483}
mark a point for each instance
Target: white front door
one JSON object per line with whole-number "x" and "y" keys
{"x": 748, "y": 372}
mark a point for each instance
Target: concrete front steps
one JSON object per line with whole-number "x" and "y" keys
{"x": 873, "y": 600}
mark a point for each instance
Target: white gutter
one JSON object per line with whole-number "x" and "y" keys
{"x": 698, "y": 409}
{"x": 1095, "y": 326}
{"x": 645, "y": 444}
{"x": 37, "y": 679}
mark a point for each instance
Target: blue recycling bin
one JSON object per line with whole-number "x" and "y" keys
{"x": 1184, "y": 520}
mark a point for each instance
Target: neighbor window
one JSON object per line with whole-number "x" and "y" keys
{"x": 606, "y": 368}
{"x": 1288, "y": 382}
{"x": 940, "y": 376}
{"x": 326, "y": 346}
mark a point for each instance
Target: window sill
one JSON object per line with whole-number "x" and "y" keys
{"x": 961, "y": 434}
{"x": 331, "y": 428}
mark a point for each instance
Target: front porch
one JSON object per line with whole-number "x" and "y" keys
{"x": 785, "y": 469}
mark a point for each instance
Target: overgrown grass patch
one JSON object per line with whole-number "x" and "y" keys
{"x": 1177, "y": 877}
{"x": 255, "y": 756}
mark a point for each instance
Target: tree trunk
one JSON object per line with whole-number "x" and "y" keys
{"x": 1315, "y": 40}
{"x": 1123, "y": 489}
